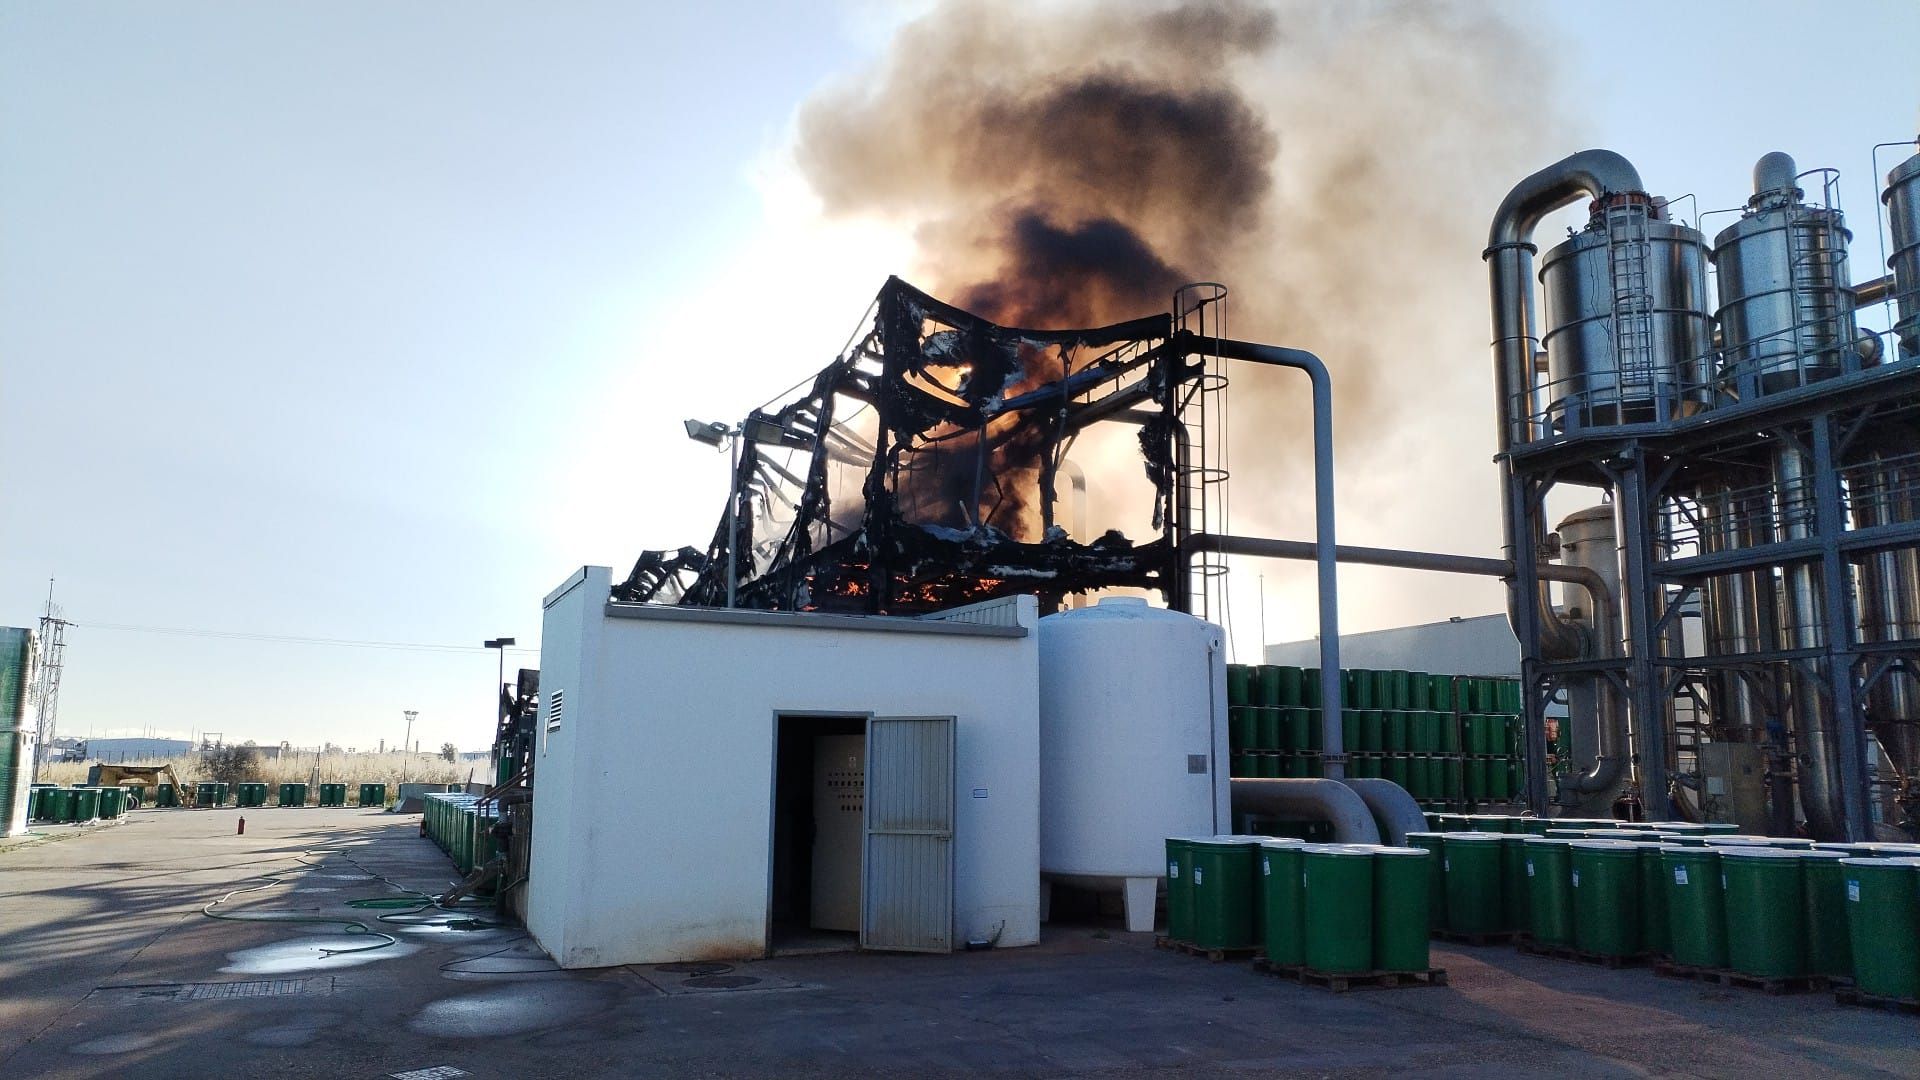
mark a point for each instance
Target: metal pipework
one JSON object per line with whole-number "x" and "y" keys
{"x": 1611, "y": 744}
{"x": 1510, "y": 250}
{"x": 1328, "y": 578}
{"x": 1313, "y": 799}
{"x": 1805, "y": 597}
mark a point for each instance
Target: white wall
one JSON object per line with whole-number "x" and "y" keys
{"x": 654, "y": 801}
{"x": 1480, "y": 645}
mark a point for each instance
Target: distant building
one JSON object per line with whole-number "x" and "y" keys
{"x": 1475, "y": 645}
{"x": 119, "y": 751}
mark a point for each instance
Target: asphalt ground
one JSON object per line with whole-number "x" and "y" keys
{"x": 108, "y": 967}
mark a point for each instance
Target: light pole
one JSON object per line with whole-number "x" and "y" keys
{"x": 411, "y": 713}
{"x": 501, "y": 645}
{"x": 716, "y": 435}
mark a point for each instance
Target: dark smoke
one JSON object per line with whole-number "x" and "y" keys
{"x": 1074, "y": 276}
{"x": 1334, "y": 163}
{"x": 1054, "y": 196}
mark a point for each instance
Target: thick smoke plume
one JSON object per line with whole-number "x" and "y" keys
{"x": 1335, "y": 164}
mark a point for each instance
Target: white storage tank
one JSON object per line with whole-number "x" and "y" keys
{"x": 1133, "y": 744}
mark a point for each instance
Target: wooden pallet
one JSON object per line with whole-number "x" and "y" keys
{"x": 1849, "y": 995}
{"x": 1342, "y": 981}
{"x": 1579, "y": 956}
{"x": 1766, "y": 984}
{"x": 1215, "y": 955}
{"x": 1493, "y": 937}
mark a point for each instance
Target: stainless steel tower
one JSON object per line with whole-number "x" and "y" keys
{"x": 1761, "y": 481}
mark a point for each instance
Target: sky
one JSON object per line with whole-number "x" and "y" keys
{"x": 371, "y": 322}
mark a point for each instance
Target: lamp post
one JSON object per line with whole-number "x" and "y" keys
{"x": 499, "y": 644}
{"x": 717, "y": 435}
{"x": 408, "y": 741}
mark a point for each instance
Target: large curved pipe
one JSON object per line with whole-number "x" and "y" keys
{"x": 1395, "y": 813}
{"x": 1610, "y": 751}
{"x": 1311, "y": 800}
{"x": 1590, "y": 173}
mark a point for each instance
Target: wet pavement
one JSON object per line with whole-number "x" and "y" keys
{"x": 109, "y": 968}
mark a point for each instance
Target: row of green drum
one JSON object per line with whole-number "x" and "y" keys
{"x": 330, "y": 794}
{"x": 1766, "y": 907}
{"x": 1297, "y": 729}
{"x": 463, "y": 827}
{"x": 1339, "y": 908}
{"x": 1362, "y": 688}
{"x": 62, "y": 805}
{"x": 1427, "y": 777}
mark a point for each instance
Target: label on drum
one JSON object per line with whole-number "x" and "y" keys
{"x": 1197, "y": 875}
{"x": 1679, "y": 875}
{"x": 1266, "y": 866}
{"x": 1853, "y": 891}
{"x": 1446, "y": 864}
{"x": 1173, "y": 871}
{"x": 1576, "y": 879}
{"x": 1529, "y": 867}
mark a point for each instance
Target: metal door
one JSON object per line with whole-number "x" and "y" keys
{"x": 907, "y": 902}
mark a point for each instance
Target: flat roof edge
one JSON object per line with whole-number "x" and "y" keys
{"x": 810, "y": 620}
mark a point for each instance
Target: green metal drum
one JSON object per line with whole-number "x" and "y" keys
{"x": 1419, "y": 691}
{"x": 1824, "y": 881}
{"x": 1476, "y": 779}
{"x": 1696, "y": 910}
{"x": 1266, "y": 728}
{"x": 1293, "y": 729}
{"x": 1549, "y": 889}
{"x": 1440, "y": 692}
{"x": 1223, "y": 870}
{"x": 1883, "y": 924}
{"x": 1372, "y": 731}
{"x": 206, "y": 794}
{"x": 1532, "y": 826}
{"x": 56, "y": 805}
{"x": 1237, "y": 685}
{"x": 1400, "y": 915}
{"x": 113, "y": 800}
{"x": 1282, "y": 902}
{"x": 1264, "y": 687}
{"x": 250, "y": 794}
{"x": 166, "y": 795}
{"x": 1338, "y": 881}
{"x": 293, "y": 794}
{"x": 1310, "y": 687}
{"x": 1656, "y": 936}
{"x": 1514, "y": 891}
{"x": 1241, "y": 733}
{"x": 1396, "y": 769}
{"x": 1433, "y": 844}
{"x": 1606, "y": 897}
{"x": 1179, "y": 888}
{"x": 1358, "y": 689}
{"x": 1472, "y": 863}
{"x": 1399, "y": 731}
{"x": 333, "y": 795}
{"x": 1292, "y": 686}
{"x": 1766, "y": 913}
{"x": 86, "y": 803}
{"x": 220, "y": 794}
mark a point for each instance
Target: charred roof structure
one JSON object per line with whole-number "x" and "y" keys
{"x": 922, "y": 469}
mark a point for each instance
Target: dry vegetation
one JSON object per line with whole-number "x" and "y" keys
{"x": 308, "y": 768}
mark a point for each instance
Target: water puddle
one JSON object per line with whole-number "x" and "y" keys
{"x": 312, "y": 953}
{"x": 517, "y": 1009}
{"x": 115, "y": 1044}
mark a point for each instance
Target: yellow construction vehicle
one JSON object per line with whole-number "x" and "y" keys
{"x": 150, "y": 776}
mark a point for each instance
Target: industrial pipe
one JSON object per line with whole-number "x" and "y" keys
{"x": 1610, "y": 757}
{"x": 1311, "y": 800}
{"x": 1334, "y": 763}
{"x": 1395, "y": 813}
{"x": 1509, "y": 254}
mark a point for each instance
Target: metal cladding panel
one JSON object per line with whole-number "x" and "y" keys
{"x": 908, "y": 898}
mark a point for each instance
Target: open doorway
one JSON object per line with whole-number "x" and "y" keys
{"x": 819, "y": 807}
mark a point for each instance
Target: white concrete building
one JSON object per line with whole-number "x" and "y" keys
{"x": 712, "y": 783}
